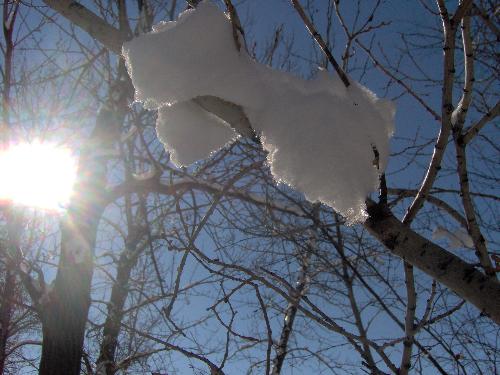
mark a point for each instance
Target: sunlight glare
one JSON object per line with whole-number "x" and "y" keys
{"x": 37, "y": 174}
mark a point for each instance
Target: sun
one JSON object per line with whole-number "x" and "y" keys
{"x": 38, "y": 174}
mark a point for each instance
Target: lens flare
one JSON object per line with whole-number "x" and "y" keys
{"x": 38, "y": 174}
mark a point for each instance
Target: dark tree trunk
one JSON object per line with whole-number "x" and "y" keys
{"x": 64, "y": 307}
{"x": 64, "y": 321}
{"x": 6, "y": 307}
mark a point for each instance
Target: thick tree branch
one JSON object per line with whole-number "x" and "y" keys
{"x": 462, "y": 278}
{"x": 461, "y": 11}
{"x": 98, "y": 28}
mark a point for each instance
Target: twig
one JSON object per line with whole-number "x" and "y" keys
{"x": 439, "y": 203}
{"x": 460, "y": 111}
{"x": 400, "y": 82}
{"x": 411, "y": 307}
{"x": 486, "y": 19}
{"x": 317, "y": 37}
{"x": 476, "y": 128}
{"x": 449, "y": 31}
{"x": 268, "y": 326}
{"x": 236, "y": 24}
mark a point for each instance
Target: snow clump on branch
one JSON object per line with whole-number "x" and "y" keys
{"x": 319, "y": 135}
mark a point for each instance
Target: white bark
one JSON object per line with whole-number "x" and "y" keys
{"x": 462, "y": 278}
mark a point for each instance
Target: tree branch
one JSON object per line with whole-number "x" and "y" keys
{"x": 476, "y": 128}
{"x": 317, "y": 37}
{"x": 449, "y": 31}
{"x": 461, "y": 277}
{"x": 87, "y": 20}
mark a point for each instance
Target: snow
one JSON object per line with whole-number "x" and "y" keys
{"x": 457, "y": 239}
{"x": 144, "y": 176}
{"x": 319, "y": 135}
{"x": 190, "y": 132}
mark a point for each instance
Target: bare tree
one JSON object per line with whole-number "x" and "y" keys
{"x": 217, "y": 269}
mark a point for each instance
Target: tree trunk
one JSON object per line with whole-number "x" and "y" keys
{"x": 64, "y": 307}
{"x": 106, "y": 363}
{"x": 8, "y": 292}
{"x": 63, "y": 323}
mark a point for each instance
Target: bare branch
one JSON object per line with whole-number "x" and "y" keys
{"x": 90, "y": 22}
{"x": 449, "y": 31}
{"x": 411, "y": 307}
{"x": 471, "y": 132}
{"x": 458, "y": 119}
{"x": 486, "y": 19}
{"x": 236, "y": 24}
{"x": 439, "y": 203}
{"x": 461, "y": 277}
{"x": 317, "y": 37}
{"x": 400, "y": 82}
{"x": 458, "y": 116}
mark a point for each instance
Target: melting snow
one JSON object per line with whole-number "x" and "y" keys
{"x": 319, "y": 135}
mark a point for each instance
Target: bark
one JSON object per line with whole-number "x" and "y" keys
{"x": 449, "y": 32}
{"x": 290, "y": 313}
{"x": 106, "y": 363}
{"x": 63, "y": 308}
{"x": 8, "y": 20}
{"x": 90, "y": 22}
{"x": 6, "y": 308}
{"x": 462, "y": 278}
{"x": 63, "y": 321}
{"x": 9, "y": 15}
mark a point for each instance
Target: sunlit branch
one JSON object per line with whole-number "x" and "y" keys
{"x": 449, "y": 31}
{"x": 90, "y": 22}
{"x": 458, "y": 116}
{"x": 458, "y": 119}
{"x": 236, "y": 25}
